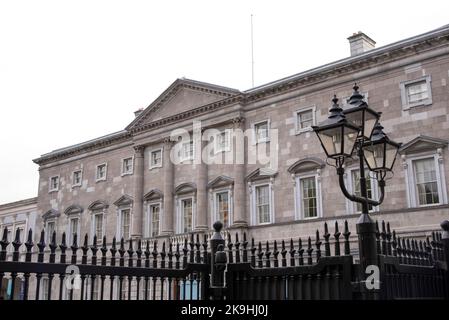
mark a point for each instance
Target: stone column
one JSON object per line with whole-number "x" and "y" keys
{"x": 138, "y": 179}
{"x": 169, "y": 174}
{"x": 201, "y": 188}
{"x": 240, "y": 217}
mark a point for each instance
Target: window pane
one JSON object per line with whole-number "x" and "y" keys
{"x": 223, "y": 208}
{"x": 98, "y": 226}
{"x": 305, "y": 119}
{"x": 309, "y": 201}
{"x": 155, "y": 216}
{"x": 426, "y": 181}
{"x": 262, "y": 131}
{"x": 125, "y": 224}
{"x": 356, "y": 187}
{"x": 417, "y": 92}
{"x": 187, "y": 215}
{"x": 263, "y": 204}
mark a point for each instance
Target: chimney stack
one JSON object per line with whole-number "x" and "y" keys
{"x": 138, "y": 112}
{"x": 360, "y": 42}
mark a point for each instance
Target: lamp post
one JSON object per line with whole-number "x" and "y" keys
{"x": 356, "y": 130}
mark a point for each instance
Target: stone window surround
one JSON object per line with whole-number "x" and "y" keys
{"x": 122, "y": 162}
{"x": 151, "y": 166}
{"x": 404, "y": 97}
{"x": 149, "y": 218}
{"x": 105, "y": 173}
{"x": 351, "y": 207}
{"x": 50, "y": 189}
{"x": 93, "y": 227}
{"x": 252, "y": 192}
{"x": 95, "y": 208}
{"x": 69, "y": 228}
{"x": 300, "y": 110}
{"x": 74, "y": 185}
{"x": 407, "y": 161}
{"x": 299, "y": 210}
{"x": 119, "y": 222}
{"x": 254, "y": 135}
{"x": 47, "y": 221}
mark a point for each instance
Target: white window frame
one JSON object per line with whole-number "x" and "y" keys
{"x": 299, "y": 210}
{"x": 351, "y": 207}
{"x": 149, "y": 217}
{"x": 47, "y": 234}
{"x": 131, "y": 171}
{"x": 299, "y": 130}
{"x": 152, "y": 166}
{"x": 404, "y": 94}
{"x": 50, "y": 186}
{"x": 180, "y": 216}
{"x": 119, "y": 223}
{"x": 214, "y": 205}
{"x": 254, "y": 133}
{"x": 105, "y": 172}
{"x": 73, "y": 178}
{"x": 69, "y": 228}
{"x": 227, "y": 147}
{"x": 412, "y": 194}
{"x": 253, "y": 200}
{"x": 94, "y": 227}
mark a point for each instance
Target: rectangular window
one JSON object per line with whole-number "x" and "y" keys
{"x": 127, "y": 166}
{"x": 263, "y": 204}
{"x": 426, "y": 181}
{"x": 49, "y": 229}
{"x": 76, "y": 178}
{"x": 309, "y": 197}
{"x": 98, "y": 226}
{"x": 416, "y": 92}
{"x": 101, "y": 172}
{"x": 155, "y": 211}
{"x": 187, "y": 151}
{"x": 54, "y": 183}
{"x": 356, "y": 187}
{"x": 222, "y": 207}
{"x": 73, "y": 229}
{"x": 305, "y": 119}
{"x": 187, "y": 214}
{"x": 156, "y": 158}
{"x": 261, "y": 130}
{"x": 222, "y": 142}
{"x": 125, "y": 224}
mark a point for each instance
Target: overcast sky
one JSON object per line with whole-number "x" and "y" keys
{"x": 71, "y": 71}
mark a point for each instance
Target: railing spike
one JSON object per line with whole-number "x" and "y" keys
{"x": 327, "y": 245}
{"x": 337, "y": 235}
{"x": 346, "y": 235}
{"x": 309, "y": 251}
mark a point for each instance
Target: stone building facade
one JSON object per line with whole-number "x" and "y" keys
{"x": 125, "y": 184}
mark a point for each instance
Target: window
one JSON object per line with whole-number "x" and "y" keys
{"x": 127, "y": 166}
{"x": 416, "y": 92}
{"x": 98, "y": 226}
{"x": 186, "y": 218}
{"x": 187, "y": 151}
{"x": 426, "y": 181}
{"x": 49, "y": 229}
{"x": 262, "y": 131}
{"x": 309, "y": 197}
{"x": 73, "y": 229}
{"x": 101, "y": 172}
{"x": 222, "y": 142}
{"x": 54, "y": 183}
{"x": 125, "y": 223}
{"x": 263, "y": 204}
{"x": 305, "y": 119}
{"x": 76, "y": 178}
{"x": 156, "y": 158}
{"x": 222, "y": 208}
{"x": 371, "y": 188}
{"x": 154, "y": 219}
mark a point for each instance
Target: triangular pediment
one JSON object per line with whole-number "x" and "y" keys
{"x": 306, "y": 164}
{"x": 183, "y": 95}
{"x": 52, "y": 213}
{"x": 220, "y": 181}
{"x": 98, "y": 205}
{"x": 422, "y": 143}
{"x": 73, "y": 209}
{"x": 154, "y": 194}
{"x": 124, "y": 200}
{"x": 261, "y": 173}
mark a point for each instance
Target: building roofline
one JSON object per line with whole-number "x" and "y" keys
{"x": 19, "y": 203}
{"x": 373, "y": 52}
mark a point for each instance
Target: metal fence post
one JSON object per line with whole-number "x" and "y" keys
{"x": 217, "y": 262}
{"x": 445, "y": 241}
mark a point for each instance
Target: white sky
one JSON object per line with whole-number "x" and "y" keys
{"x": 71, "y": 71}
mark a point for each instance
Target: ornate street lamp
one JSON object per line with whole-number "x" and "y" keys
{"x": 358, "y": 128}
